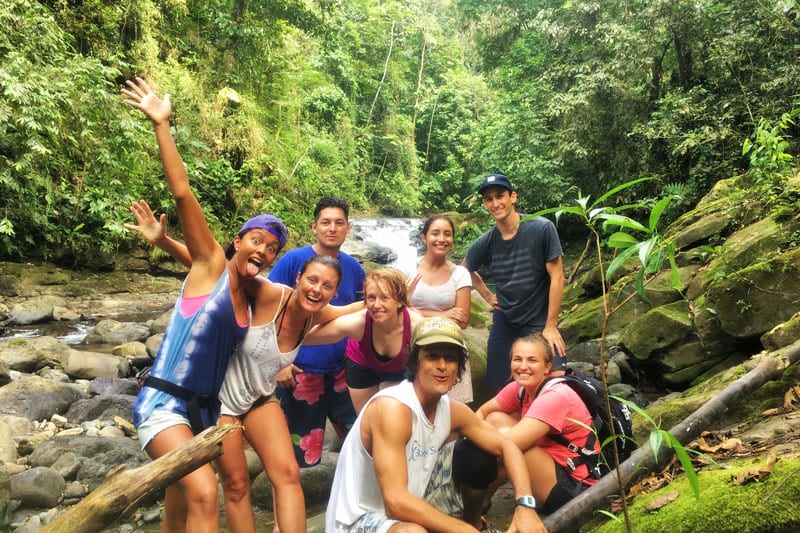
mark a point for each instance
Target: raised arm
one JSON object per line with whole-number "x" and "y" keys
{"x": 331, "y": 312}
{"x": 206, "y": 253}
{"x": 155, "y": 231}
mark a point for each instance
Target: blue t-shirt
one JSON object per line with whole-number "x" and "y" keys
{"x": 325, "y": 358}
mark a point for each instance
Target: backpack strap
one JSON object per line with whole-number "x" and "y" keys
{"x": 586, "y": 453}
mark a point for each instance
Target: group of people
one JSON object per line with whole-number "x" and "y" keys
{"x": 380, "y": 355}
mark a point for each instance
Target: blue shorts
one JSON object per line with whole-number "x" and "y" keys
{"x": 158, "y": 421}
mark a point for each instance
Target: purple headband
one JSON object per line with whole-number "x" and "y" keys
{"x": 269, "y": 223}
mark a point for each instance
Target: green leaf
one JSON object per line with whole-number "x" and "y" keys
{"x": 674, "y": 271}
{"x": 621, "y": 258}
{"x": 656, "y": 440}
{"x": 657, "y": 211}
{"x": 686, "y": 462}
{"x": 646, "y": 249}
{"x": 622, "y": 221}
{"x": 620, "y": 239}
{"x": 619, "y": 188}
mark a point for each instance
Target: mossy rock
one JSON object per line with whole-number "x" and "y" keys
{"x": 722, "y": 507}
{"x": 757, "y": 298}
{"x": 657, "y": 329}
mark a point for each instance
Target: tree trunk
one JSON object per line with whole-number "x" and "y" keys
{"x": 123, "y": 489}
{"x": 579, "y": 510}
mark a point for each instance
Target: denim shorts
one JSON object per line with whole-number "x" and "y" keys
{"x": 158, "y": 421}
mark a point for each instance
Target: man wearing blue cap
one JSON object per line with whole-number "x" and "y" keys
{"x": 524, "y": 260}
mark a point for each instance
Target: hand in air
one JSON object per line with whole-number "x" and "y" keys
{"x": 151, "y": 229}
{"x": 142, "y": 97}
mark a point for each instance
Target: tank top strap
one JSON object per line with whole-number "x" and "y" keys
{"x": 406, "y": 328}
{"x": 282, "y": 307}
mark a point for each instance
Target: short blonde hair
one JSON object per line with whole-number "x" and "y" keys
{"x": 391, "y": 281}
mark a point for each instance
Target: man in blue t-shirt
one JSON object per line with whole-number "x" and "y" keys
{"x": 313, "y": 388}
{"x": 524, "y": 259}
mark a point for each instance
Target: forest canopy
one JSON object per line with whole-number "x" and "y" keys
{"x": 398, "y": 106}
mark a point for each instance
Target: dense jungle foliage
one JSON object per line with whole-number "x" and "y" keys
{"x": 397, "y": 105}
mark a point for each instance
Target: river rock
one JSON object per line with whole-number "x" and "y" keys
{"x": 29, "y": 355}
{"x": 5, "y": 373}
{"x": 67, "y": 465}
{"x": 365, "y": 251}
{"x": 38, "y": 487}
{"x": 89, "y": 365}
{"x": 101, "y": 407}
{"x": 35, "y": 310}
{"x": 36, "y": 398}
{"x": 130, "y": 349}
{"x": 105, "y": 386}
{"x": 159, "y": 324}
{"x": 152, "y": 343}
{"x": 8, "y": 448}
{"x": 114, "y": 332}
{"x": 782, "y": 334}
{"x": 5, "y": 494}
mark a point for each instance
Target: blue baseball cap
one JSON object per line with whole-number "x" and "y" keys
{"x": 269, "y": 223}
{"x": 495, "y": 180}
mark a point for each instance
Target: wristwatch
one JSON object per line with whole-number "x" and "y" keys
{"x": 527, "y": 501}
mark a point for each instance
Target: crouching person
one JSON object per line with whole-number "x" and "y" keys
{"x": 393, "y": 457}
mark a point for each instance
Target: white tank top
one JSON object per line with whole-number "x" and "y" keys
{"x": 355, "y": 489}
{"x": 253, "y": 367}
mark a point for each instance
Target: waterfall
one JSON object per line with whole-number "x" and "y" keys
{"x": 390, "y": 242}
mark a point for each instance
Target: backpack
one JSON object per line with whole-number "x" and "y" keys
{"x": 590, "y": 390}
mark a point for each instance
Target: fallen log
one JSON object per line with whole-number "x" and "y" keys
{"x": 643, "y": 461}
{"x": 123, "y": 489}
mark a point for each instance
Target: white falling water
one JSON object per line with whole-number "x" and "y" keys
{"x": 400, "y": 235}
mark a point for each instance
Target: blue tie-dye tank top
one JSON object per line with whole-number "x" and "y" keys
{"x": 194, "y": 353}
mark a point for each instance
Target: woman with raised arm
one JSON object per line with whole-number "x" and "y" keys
{"x": 439, "y": 287}
{"x": 281, "y": 319}
{"x": 210, "y": 320}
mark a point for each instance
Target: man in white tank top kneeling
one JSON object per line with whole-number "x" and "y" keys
{"x": 395, "y": 472}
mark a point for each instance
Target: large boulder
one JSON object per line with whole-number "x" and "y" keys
{"x": 37, "y": 488}
{"x": 29, "y": 355}
{"x": 658, "y": 329}
{"x": 782, "y": 334}
{"x": 114, "y": 332}
{"x": 36, "y": 398}
{"x": 90, "y": 365}
{"x": 755, "y": 299}
{"x": 36, "y": 310}
{"x": 103, "y": 407}
{"x": 8, "y": 449}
